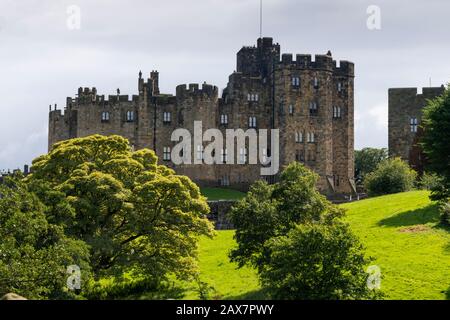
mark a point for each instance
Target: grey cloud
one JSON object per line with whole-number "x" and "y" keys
{"x": 42, "y": 62}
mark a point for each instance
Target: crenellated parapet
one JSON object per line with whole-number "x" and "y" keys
{"x": 194, "y": 90}
{"x": 87, "y": 96}
{"x": 321, "y": 62}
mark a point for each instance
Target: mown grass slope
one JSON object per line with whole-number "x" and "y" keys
{"x": 401, "y": 231}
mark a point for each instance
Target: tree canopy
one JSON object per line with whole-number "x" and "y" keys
{"x": 435, "y": 142}
{"x": 297, "y": 241}
{"x": 136, "y": 216}
{"x": 367, "y": 160}
{"x": 34, "y": 254}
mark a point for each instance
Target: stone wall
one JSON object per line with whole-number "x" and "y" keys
{"x": 264, "y": 76}
{"x": 406, "y": 104}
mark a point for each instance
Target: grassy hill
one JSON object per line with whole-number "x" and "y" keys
{"x": 401, "y": 231}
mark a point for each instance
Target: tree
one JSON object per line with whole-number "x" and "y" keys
{"x": 367, "y": 160}
{"x": 391, "y": 176}
{"x": 316, "y": 261}
{"x": 270, "y": 211}
{"x": 273, "y": 222}
{"x": 137, "y": 217}
{"x": 34, "y": 254}
{"x": 435, "y": 142}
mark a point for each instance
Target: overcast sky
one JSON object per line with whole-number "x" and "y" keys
{"x": 42, "y": 61}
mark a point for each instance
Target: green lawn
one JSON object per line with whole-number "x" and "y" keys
{"x": 401, "y": 231}
{"x": 222, "y": 194}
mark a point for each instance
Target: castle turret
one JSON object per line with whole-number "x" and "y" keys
{"x": 257, "y": 61}
{"x": 154, "y": 75}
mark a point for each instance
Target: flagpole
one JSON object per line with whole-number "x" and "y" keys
{"x": 260, "y": 18}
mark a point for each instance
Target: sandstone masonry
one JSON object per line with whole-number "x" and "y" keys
{"x": 309, "y": 99}
{"x": 405, "y": 117}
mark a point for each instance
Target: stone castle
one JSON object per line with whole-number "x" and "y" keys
{"x": 405, "y": 117}
{"x": 309, "y": 99}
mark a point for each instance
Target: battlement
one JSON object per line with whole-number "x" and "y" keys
{"x": 193, "y": 89}
{"x": 346, "y": 68}
{"x": 320, "y": 62}
{"x": 88, "y": 96}
{"x": 427, "y": 92}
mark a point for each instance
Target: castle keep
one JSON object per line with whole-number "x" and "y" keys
{"x": 405, "y": 117}
{"x": 309, "y": 99}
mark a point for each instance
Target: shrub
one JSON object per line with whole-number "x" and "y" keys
{"x": 391, "y": 176}
{"x": 315, "y": 261}
{"x": 430, "y": 181}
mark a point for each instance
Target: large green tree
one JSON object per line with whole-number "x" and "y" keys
{"x": 297, "y": 241}
{"x": 435, "y": 142}
{"x": 35, "y": 254}
{"x": 367, "y": 160}
{"x": 138, "y": 217}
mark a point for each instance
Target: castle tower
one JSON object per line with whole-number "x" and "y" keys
{"x": 405, "y": 117}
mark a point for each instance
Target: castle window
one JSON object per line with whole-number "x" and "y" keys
{"x": 337, "y": 112}
{"x": 167, "y": 117}
{"x": 253, "y": 97}
{"x": 252, "y": 122}
{"x": 291, "y": 109}
{"x": 224, "y": 119}
{"x": 224, "y": 156}
{"x": 414, "y": 124}
{"x": 243, "y": 156}
{"x": 313, "y": 108}
{"x": 200, "y": 152}
{"x": 105, "y": 116}
{"x": 311, "y": 137}
{"x": 299, "y": 137}
{"x": 166, "y": 154}
{"x": 130, "y": 116}
{"x": 295, "y": 81}
{"x": 316, "y": 83}
{"x": 339, "y": 86}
